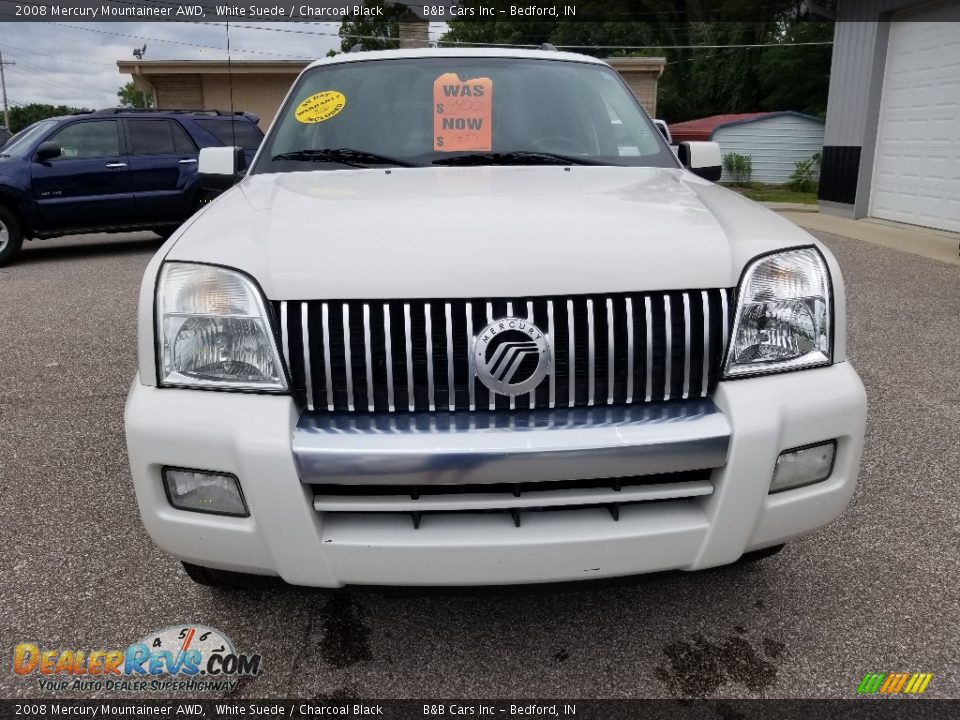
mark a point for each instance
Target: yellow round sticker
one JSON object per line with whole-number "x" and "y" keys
{"x": 322, "y": 106}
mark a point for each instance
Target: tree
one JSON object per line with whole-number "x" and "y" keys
{"x": 698, "y": 81}
{"x": 505, "y": 32}
{"x": 132, "y": 97}
{"x": 798, "y": 77}
{"x": 24, "y": 115}
{"x": 374, "y": 32}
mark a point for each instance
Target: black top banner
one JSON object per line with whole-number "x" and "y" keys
{"x": 594, "y": 11}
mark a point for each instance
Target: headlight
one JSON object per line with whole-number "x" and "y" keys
{"x": 213, "y": 331}
{"x": 783, "y": 315}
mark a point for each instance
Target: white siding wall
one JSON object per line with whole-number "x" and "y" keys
{"x": 774, "y": 143}
{"x": 852, "y": 77}
{"x": 856, "y": 75}
{"x": 917, "y": 168}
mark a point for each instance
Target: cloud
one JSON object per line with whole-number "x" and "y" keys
{"x": 75, "y": 64}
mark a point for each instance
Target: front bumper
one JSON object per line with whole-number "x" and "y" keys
{"x": 254, "y": 436}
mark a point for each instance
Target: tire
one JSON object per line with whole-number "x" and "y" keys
{"x": 11, "y": 236}
{"x": 225, "y": 579}
{"x": 762, "y": 554}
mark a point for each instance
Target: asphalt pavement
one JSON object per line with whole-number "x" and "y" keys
{"x": 876, "y": 591}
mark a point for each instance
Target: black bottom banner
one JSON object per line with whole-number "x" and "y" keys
{"x": 567, "y": 709}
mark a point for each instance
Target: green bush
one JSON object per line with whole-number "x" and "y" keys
{"x": 806, "y": 175}
{"x": 739, "y": 168}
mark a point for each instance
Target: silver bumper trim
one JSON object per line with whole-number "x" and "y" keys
{"x": 490, "y": 447}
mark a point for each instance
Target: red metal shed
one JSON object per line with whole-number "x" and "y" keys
{"x": 702, "y": 128}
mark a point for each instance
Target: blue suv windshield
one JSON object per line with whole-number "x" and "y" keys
{"x": 21, "y": 142}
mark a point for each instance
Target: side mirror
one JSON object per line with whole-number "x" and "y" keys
{"x": 48, "y": 151}
{"x": 702, "y": 158}
{"x": 220, "y": 167}
{"x": 664, "y": 130}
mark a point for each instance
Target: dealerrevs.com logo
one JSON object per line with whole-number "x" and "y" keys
{"x": 191, "y": 658}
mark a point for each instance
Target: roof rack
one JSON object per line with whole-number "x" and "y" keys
{"x": 116, "y": 111}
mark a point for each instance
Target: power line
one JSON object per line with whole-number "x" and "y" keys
{"x": 270, "y": 29}
{"x": 137, "y": 37}
{"x": 693, "y": 47}
{"x": 162, "y": 40}
{"x": 374, "y": 37}
{"x": 532, "y": 45}
{"x": 56, "y": 80}
{"x": 640, "y": 47}
{"x": 56, "y": 57}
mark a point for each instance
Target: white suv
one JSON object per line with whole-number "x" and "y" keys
{"x": 468, "y": 320}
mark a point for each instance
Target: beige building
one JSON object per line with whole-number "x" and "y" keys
{"x": 642, "y": 74}
{"x": 259, "y": 86}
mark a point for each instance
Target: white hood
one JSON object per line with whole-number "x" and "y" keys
{"x": 482, "y": 232}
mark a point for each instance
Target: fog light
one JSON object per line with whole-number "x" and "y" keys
{"x": 803, "y": 466}
{"x": 206, "y": 492}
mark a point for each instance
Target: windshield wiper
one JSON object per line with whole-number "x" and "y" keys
{"x": 515, "y": 157}
{"x": 344, "y": 156}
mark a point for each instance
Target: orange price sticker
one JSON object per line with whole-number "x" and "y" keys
{"x": 462, "y": 114}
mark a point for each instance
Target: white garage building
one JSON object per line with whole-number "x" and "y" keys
{"x": 892, "y": 138}
{"x": 775, "y": 141}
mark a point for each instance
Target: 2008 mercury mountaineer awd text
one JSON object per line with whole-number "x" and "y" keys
{"x": 468, "y": 320}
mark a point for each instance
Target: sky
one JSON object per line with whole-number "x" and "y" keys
{"x": 75, "y": 63}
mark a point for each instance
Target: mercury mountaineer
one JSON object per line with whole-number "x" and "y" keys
{"x": 466, "y": 320}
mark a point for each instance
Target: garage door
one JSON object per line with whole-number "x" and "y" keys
{"x": 917, "y": 165}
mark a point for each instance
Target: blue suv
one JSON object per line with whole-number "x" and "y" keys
{"x": 110, "y": 171}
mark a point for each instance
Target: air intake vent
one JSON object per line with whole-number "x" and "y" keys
{"x": 515, "y": 499}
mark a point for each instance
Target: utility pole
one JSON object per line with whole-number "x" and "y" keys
{"x": 3, "y": 82}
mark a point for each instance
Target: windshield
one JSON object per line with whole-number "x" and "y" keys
{"x": 21, "y": 142}
{"x": 461, "y": 110}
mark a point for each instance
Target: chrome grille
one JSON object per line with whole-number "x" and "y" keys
{"x": 415, "y": 355}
